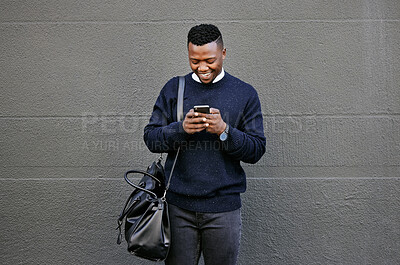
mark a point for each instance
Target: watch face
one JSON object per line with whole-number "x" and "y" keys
{"x": 223, "y": 136}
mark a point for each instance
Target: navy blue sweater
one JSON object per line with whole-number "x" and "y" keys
{"x": 208, "y": 176}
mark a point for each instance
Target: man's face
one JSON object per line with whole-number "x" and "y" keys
{"x": 206, "y": 60}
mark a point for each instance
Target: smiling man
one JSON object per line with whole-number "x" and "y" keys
{"x": 204, "y": 195}
{"x": 206, "y": 59}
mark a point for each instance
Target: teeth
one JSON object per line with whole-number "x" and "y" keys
{"x": 206, "y": 75}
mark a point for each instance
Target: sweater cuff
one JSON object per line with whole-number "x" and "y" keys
{"x": 174, "y": 133}
{"x": 234, "y": 141}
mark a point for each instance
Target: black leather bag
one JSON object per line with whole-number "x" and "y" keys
{"x": 147, "y": 230}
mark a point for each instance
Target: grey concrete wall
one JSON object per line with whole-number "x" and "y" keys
{"x": 78, "y": 80}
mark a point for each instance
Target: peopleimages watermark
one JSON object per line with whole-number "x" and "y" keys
{"x": 124, "y": 123}
{"x": 112, "y": 132}
{"x": 112, "y": 122}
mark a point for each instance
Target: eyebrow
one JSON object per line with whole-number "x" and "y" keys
{"x": 210, "y": 58}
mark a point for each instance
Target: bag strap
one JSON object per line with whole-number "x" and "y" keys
{"x": 179, "y": 105}
{"x": 179, "y": 115}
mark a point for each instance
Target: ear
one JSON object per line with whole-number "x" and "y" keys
{"x": 223, "y": 53}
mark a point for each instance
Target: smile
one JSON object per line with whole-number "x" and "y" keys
{"x": 205, "y": 75}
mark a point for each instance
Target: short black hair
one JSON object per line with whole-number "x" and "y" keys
{"x": 203, "y": 34}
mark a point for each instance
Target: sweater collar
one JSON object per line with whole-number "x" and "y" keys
{"x": 219, "y": 77}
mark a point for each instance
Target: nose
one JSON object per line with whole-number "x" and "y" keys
{"x": 202, "y": 67}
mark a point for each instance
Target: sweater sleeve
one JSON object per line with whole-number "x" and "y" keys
{"x": 163, "y": 133}
{"x": 247, "y": 142}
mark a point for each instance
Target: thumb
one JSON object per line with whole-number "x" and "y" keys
{"x": 214, "y": 111}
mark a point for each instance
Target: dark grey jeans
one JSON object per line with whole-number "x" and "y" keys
{"x": 215, "y": 235}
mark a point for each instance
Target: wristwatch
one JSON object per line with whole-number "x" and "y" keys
{"x": 224, "y": 135}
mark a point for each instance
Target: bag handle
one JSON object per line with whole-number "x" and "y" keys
{"x": 137, "y": 186}
{"x": 152, "y": 194}
{"x": 125, "y": 211}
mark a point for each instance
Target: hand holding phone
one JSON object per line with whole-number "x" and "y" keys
{"x": 202, "y": 121}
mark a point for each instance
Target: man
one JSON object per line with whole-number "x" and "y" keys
{"x": 204, "y": 195}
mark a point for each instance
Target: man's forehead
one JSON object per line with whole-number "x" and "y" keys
{"x": 211, "y": 47}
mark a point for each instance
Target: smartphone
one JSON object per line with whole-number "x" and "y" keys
{"x": 202, "y": 109}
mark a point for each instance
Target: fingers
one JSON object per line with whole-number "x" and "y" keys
{"x": 194, "y": 122}
{"x": 190, "y": 114}
{"x": 216, "y": 124}
{"x": 197, "y": 122}
{"x": 194, "y": 128}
